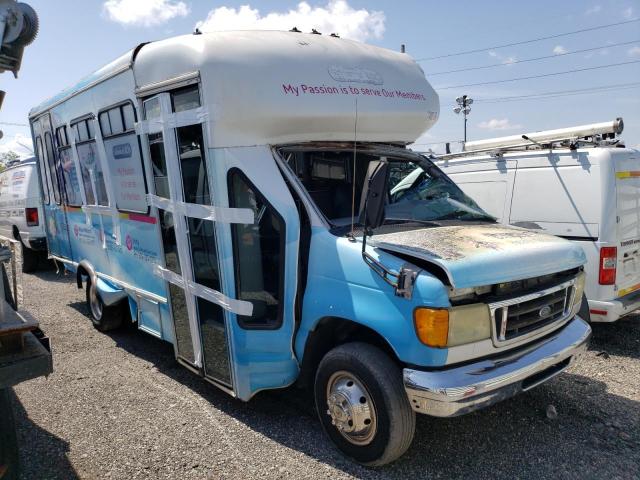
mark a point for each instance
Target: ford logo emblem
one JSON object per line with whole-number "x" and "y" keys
{"x": 544, "y": 311}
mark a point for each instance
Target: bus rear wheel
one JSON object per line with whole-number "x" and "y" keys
{"x": 104, "y": 317}
{"x": 362, "y": 404}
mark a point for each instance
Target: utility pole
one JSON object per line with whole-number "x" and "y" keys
{"x": 463, "y": 106}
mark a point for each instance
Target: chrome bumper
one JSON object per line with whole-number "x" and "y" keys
{"x": 460, "y": 390}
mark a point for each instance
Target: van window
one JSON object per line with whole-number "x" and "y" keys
{"x": 258, "y": 255}
{"x": 123, "y": 158}
{"x": 117, "y": 120}
{"x": 51, "y": 167}
{"x": 70, "y": 177}
{"x": 159, "y": 164}
{"x": 43, "y": 175}
{"x": 186, "y": 98}
{"x": 89, "y": 164}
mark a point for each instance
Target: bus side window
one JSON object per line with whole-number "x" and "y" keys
{"x": 123, "y": 158}
{"x": 43, "y": 175}
{"x": 258, "y": 254}
{"x": 151, "y": 108}
{"x": 68, "y": 169}
{"x": 89, "y": 164}
{"x": 52, "y": 167}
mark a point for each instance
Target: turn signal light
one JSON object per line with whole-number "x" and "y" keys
{"x": 608, "y": 262}
{"x": 432, "y": 326}
{"x": 32, "y": 217}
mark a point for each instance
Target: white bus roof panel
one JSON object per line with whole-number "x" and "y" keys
{"x": 270, "y": 87}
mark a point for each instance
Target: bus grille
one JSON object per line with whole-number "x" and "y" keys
{"x": 518, "y": 317}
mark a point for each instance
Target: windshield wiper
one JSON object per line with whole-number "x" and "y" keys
{"x": 412, "y": 220}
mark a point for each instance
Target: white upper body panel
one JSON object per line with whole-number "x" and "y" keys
{"x": 270, "y": 87}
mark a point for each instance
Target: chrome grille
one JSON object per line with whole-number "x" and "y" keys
{"x": 520, "y": 317}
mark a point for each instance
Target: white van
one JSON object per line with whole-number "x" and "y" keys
{"x": 21, "y": 211}
{"x": 579, "y": 183}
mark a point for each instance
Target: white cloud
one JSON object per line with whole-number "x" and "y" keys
{"x": 337, "y": 16}
{"x": 19, "y": 143}
{"x": 506, "y": 60}
{"x": 146, "y": 13}
{"x": 634, "y": 52}
{"x": 498, "y": 124}
{"x": 628, "y": 13}
{"x": 559, "y": 50}
{"x": 593, "y": 10}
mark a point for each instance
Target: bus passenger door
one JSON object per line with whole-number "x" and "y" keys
{"x": 177, "y": 153}
{"x": 232, "y": 309}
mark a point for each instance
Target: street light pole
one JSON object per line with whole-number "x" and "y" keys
{"x": 463, "y": 106}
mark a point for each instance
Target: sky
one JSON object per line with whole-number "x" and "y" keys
{"x": 78, "y": 37}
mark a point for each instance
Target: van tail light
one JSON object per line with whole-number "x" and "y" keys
{"x": 608, "y": 262}
{"x": 32, "y": 217}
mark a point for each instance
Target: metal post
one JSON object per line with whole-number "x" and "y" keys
{"x": 465, "y": 128}
{"x": 463, "y": 107}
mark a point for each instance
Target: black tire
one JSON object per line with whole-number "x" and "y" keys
{"x": 584, "y": 310}
{"x": 104, "y": 318}
{"x": 9, "y": 462}
{"x": 30, "y": 259}
{"x": 393, "y": 419}
{"x": 8, "y": 294}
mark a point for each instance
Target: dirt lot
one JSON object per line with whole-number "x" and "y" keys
{"x": 118, "y": 406}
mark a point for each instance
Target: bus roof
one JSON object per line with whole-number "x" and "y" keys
{"x": 267, "y": 87}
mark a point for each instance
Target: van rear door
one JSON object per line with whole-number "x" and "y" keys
{"x": 627, "y": 168}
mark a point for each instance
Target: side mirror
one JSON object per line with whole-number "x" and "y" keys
{"x": 373, "y": 195}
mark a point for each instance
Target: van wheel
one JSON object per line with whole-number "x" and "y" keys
{"x": 8, "y": 441}
{"x": 30, "y": 260}
{"x": 362, "y": 404}
{"x": 584, "y": 310}
{"x": 103, "y": 317}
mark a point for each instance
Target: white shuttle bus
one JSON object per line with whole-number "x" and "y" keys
{"x": 221, "y": 190}
{"x": 580, "y": 183}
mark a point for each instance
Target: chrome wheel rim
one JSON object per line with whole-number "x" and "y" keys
{"x": 351, "y": 408}
{"x": 94, "y": 302}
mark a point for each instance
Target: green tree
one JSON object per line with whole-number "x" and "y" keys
{"x": 6, "y": 157}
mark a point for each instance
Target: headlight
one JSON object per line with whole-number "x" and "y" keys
{"x": 448, "y": 327}
{"x": 579, "y": 291}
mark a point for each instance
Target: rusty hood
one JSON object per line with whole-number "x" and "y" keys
{"x": 476, "y": 255}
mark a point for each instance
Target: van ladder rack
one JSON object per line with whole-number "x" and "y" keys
{"x": 596, "y": 134}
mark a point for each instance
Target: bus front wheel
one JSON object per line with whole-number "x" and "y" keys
{"x": 104, "y": 317}
{"x": 362, "y": 404}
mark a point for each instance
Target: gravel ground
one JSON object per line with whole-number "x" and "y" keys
{"x": 118, "y": 406}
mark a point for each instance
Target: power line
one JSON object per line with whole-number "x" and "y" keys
{"x": 14, "y": 124}
{"x": 523, "y": 42}
{"x": 493, "y": 65}
{"x": 561, "y": 93}
{"x": 539, "y": 76}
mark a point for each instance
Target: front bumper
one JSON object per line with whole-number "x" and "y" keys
{"x": 460, "y": 390}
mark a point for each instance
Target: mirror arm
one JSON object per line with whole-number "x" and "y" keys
{"x": 401, "y": 282}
